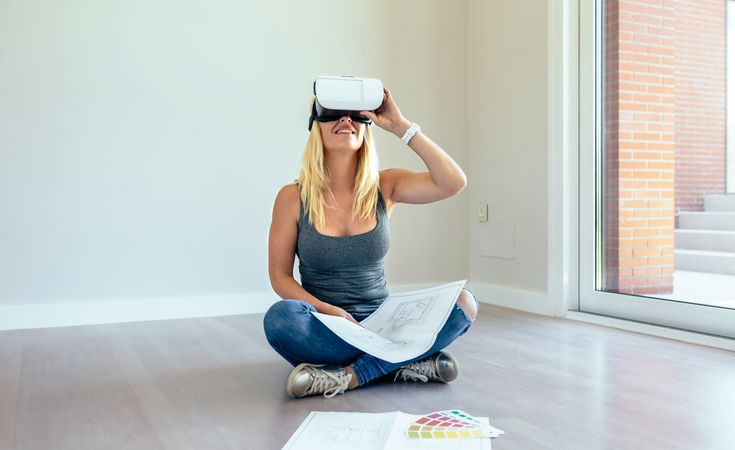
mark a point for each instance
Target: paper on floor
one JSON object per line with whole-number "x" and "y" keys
{"x": 371, "y": 431}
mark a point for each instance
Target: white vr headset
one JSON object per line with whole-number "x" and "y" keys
{"x": 340, "y": 96}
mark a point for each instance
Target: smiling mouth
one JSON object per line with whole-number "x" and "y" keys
{"x": 344, "y": 131}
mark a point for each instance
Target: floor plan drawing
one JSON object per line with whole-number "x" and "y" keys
{"x": 403, "y": 327}
{"x": 356, "y": 431}
{"x": 410, "y": 312}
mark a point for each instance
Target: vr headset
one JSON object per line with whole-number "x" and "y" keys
{"x": 340, "y": 96}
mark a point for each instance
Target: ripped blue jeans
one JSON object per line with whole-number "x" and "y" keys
{"x": 299, "y": 337}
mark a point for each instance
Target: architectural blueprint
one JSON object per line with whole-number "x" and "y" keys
{"x": 404, "y": 327}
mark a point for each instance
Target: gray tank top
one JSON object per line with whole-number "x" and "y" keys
{"x": 345, "y": 271}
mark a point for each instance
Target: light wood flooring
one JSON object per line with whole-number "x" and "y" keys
{"x": 214, "y": 383}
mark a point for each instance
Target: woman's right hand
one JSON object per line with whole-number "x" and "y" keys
{"x": 332, "y": 310}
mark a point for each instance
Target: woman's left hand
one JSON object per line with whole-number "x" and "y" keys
{"x": 388, "y": 116}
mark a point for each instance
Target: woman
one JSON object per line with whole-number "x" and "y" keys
{"x": 335, "y": 218}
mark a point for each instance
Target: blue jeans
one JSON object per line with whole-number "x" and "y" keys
{"x": 299, "y": 337}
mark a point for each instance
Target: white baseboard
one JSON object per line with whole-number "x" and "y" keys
{"x": 13, "y": 317}
{"x": 533, "y": 302}
{"x": 65, "y": 314}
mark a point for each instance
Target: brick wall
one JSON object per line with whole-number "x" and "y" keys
{"x": 640, "y": 138}
{"x": 700, "y": 101}
{"x": 665, "y": 130}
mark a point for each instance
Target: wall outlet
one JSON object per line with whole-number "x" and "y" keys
{"x": 482, "y": 213}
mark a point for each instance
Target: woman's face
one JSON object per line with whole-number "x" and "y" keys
{"x": 342, "y": 134}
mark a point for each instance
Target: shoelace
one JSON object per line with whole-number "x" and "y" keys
{"x": 419, "y": 371}
{"x": 332, "y": 383}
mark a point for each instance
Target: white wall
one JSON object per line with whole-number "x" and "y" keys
{"x": 142, "y": 143}
{"x": 508, "y": 126}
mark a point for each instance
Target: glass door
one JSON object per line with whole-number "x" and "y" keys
{"x": 730, "y": 37}
{"x": 657, "y": 228}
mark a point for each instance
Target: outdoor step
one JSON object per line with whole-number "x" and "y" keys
{"x": 719, "y": 203}
{"x": 710, "y": 240}
{"x": 704, "y": 261}
{"x": 707, "y": 220}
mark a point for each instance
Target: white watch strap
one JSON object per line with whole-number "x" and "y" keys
{"x": 412, "y": 130}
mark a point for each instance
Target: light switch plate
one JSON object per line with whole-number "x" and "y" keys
{"x": 482, "y": 213}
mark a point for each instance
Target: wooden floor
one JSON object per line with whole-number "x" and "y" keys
{"x": 214, "y": 383}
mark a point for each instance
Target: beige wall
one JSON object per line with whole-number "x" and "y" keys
{"x": 508, "y": 125}
{"x": 142, "y": 145}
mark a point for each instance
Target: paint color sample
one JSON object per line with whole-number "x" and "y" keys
{"x": 452, "y": 424}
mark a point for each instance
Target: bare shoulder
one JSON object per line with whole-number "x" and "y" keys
{"x": 388, "y": 179}
{"x": 287, "y": 202}
{"x": 289, "y": 192}
{"x": 386, "y": 182}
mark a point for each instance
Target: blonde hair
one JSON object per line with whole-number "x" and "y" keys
{"x": 313, "y": 181}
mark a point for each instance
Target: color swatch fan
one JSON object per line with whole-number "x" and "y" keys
{"x": 453, "y": 424}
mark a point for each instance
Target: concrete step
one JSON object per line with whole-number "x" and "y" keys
{"x": 707, "y": 220}
{"x": 704, "y": 261}
{"x": 709, "y": 240}
{"x": 721, "y": 203}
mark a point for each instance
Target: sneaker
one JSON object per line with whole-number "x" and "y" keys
{"x": 440, "y": 367}
{"x": 310, "y": 379}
